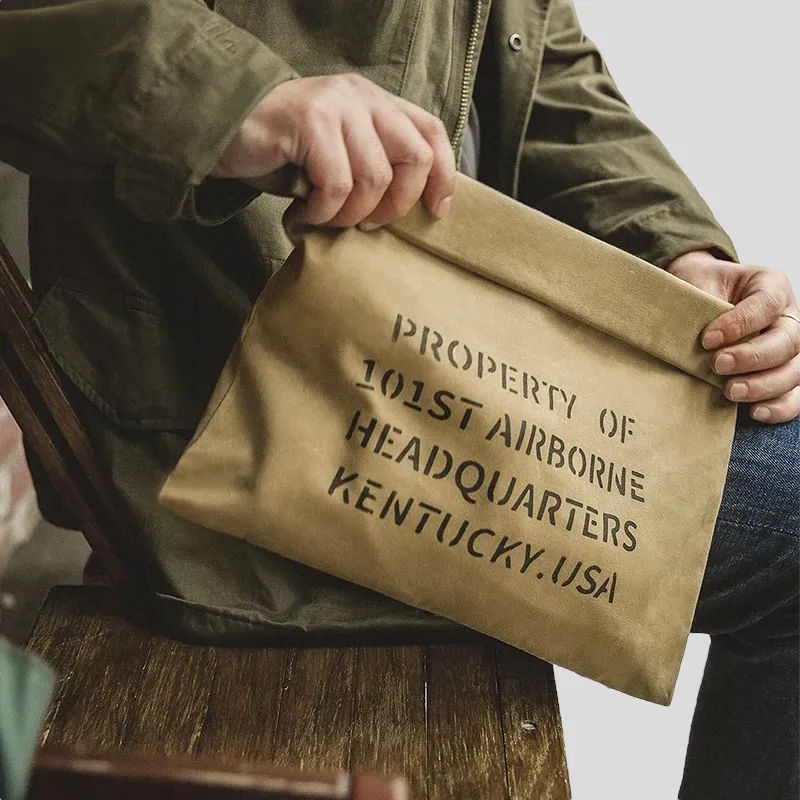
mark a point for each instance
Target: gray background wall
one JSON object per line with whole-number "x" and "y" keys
{"x": 716, "y": 80}
{"x": 13, "y": 212}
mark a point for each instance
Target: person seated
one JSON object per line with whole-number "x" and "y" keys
{"x": 148, "y": 126}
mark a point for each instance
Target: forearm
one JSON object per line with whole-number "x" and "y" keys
{"x": 589, "y": 161}
{"x": 143, "y": 93}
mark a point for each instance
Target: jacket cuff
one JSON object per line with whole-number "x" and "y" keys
{"x": 186, "y": 121}
{"x": 672, "y": 229}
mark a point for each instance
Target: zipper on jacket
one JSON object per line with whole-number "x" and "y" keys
{"x": 466, "y": 86}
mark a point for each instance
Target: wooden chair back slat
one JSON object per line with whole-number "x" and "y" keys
{"x": 32, "y": 389}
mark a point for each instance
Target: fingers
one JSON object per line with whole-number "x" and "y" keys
{"x": 774, "y": 394}
{"x": 368, "y": 154}
{"x": 766, "y": 384}
{"x": 327, "y": 165}
{"x": 767, "y": 372}
{"x": 423, "y": 162}
{"x": 411, "y": 157}
{"x": 761, "y": 305}
{"x": 774, "y": 347}
{"x": 441, "y": 181}
{"x": 766, "y": 369}
{"x": 781, "y": 409}
{"x": 371, "y": 171}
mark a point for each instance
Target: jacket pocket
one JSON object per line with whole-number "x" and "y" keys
{"x": 144, "y": 371}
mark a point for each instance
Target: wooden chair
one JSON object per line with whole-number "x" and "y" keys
{"x": 476, "y": 721}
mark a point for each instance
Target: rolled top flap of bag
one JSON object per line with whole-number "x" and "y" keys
{"x": 614, "y": 292}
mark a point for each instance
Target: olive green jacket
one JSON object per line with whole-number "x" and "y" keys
{"x": 146, "y": 268}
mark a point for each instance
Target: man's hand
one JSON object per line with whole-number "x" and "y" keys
{"x": 766, "y": 369}
{"x": 369, "y": 155}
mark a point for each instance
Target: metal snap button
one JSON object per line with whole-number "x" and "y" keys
{"x": 515, "y": 42}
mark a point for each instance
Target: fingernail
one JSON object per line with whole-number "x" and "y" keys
{"x": 761, "y": 414}
{"x": 737, "y": 391}
{"x": 724, "y": 363}
{"x": 443, "y": 207}
{"x": 367, "y": 227}
{"x": 712, "y": 340}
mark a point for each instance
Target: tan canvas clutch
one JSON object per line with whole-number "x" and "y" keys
{"x": 493, "y": 417}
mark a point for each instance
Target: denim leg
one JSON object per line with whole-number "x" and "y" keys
{"x": 744, "y": 738}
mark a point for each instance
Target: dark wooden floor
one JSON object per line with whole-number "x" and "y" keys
{"x": 460, "y": 722}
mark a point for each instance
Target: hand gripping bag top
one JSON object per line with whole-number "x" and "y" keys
{"x": 493, "y": 417}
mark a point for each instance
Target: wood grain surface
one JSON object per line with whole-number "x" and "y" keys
{"x": 465, "y": 737}
{"x": 243, "y": 703}
{"x": 316, "y": 710}
{"x": 536, "y": 764}
{"x": 477, "y": 721}
{"x": 389, "y": 720}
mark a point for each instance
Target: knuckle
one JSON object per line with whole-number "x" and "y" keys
{"x": 772, "y": 302}
{"x": 753, "y": 358}
{"x": 334, "y": 90}
{"x": 758, "y": 391}
{"x": 432, "y": 127}
{"x": 421, "y": 156}
{"x": 377, "y": 178}
{"x": 338, "y": 188}
{"x": 778, "y": 277}
{"x": 440, "y": 128}
{"x": 318, "y": 111}
{"x": 336, "y": 82}
{"x": 349, "y": 80}
{"x": 737, "y": 324}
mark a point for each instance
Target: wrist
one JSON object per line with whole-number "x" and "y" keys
{"x": 692, "y": 260}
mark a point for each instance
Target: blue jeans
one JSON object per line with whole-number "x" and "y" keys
{"x": 744, "y": 740}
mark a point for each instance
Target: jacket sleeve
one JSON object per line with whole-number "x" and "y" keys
{"x": 144, "y": 94}
{"x": 588, "y": 161}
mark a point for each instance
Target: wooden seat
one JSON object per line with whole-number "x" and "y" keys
{"x": 477, "y": 721}
{"x": 458, "y": 721}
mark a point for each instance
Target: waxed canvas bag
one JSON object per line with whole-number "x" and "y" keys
{"x": 492, "y": 417}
